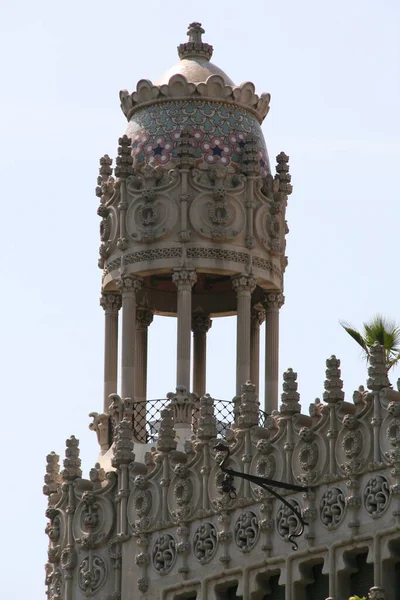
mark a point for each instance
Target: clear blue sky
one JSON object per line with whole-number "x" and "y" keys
{"x": 333, "y": 72}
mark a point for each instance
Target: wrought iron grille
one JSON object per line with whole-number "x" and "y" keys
{"x": 146, "y": 418}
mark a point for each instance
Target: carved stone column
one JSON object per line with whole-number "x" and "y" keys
{"x": 111, "y": 303}
{"x": 244, "y": 285}
{"x": 273, "y": 302}
{"x": 257, "y": 319}
{"x": 201, "y": 323}
{"x": 184, "y": 279}
{"x": 144, "y": 318}
{"x": 128, "y": 285}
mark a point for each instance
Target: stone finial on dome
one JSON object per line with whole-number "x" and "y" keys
{"x": 195, "y": 46}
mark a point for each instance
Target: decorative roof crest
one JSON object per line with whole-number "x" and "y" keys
{"x": 195, "y": 46}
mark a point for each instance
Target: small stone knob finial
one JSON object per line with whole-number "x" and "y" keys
{"x": 195, "y": 46}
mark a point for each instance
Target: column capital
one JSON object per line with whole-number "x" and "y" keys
{"x": 243, "y": 283}
{"x": 201, "y": 322}
{"x": 144, "y": 317}
{"x": 273, "y": 300}
{"x": 257, "y": 315}
{"x": 129, "y": 284}
{"x": 184, "y": 279}
{"x": 110, "y": 302}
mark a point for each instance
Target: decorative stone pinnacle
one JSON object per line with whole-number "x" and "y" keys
{"x": 166, "y": 434}
{"x": 249, "y": 407}
{"x": 185, "y": 149}
{"x": 124, "y": 159}
{"x": 72, "y": 462}
{"x": 207, "y": 429}
{"x": 283, "y": 177}
{"x": 377, "y": 370}
{"x": 250, "y": 158}
{"x": 123, "y": 444}
{"x": 290, "y": 396}
{"x": 333, "y": 384}
{"x": 195, "y": 46}
{"x": 51, "y": 479}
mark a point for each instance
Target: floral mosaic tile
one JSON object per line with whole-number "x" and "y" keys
{"x": 219, "y": 133}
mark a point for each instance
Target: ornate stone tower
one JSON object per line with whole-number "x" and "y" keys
{"x": 193, "y": 226}
{"x": 183, "y": 503}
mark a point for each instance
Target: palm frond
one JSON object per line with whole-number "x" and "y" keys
{"x": 392, "y": 362}
{"x": 356, "y": 335}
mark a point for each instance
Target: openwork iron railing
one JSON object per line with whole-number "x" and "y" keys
{"x": 146, "y": 418}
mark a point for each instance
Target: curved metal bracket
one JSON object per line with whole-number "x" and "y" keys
{"x": 228, "y": 487}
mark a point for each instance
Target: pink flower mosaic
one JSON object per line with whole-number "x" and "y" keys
{"x": 216, "y": 151}
{"x": 238, "y": 142}
{"x": 160, "y": 149}
{"x": 138, "y": 142}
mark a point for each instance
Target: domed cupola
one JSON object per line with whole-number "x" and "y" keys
{"x": 193, "y": 223}
{"x": 199, "y": 97}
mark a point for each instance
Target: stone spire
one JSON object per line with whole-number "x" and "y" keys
{"x": 123, "y": 444}
{"x": 207, "y": 422}
{"x": 333, "y": 384}
{"x": 195, "y": 47}
{"x": 377, "y": 370}
{"x": 72, "y": 462}
{"x": 124, "y": 159}
{"x": 166, "y": 435}
{"x": 290, "y": 396}
{"x": 52, "y": 477}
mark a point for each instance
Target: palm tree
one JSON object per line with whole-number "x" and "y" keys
{"x": 378, "y": 329}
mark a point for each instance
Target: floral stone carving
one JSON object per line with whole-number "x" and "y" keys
{"x": 205, "y": 542}
{"x": 164, "y": 553}
{"x": 246, "y": 531}
{"x": 376, "y": 495}
{"x": 92, "y": 574}
{"x": 332, "y": 507}
{"x": 287, "y": 522}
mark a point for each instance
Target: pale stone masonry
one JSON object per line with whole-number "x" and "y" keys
{"x": 193, "y": 227}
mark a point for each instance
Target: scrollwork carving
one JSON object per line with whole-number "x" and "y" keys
{"x": 205, "y": 542}
{"x": 92, "y": 574}
{"x": 376, "y": 495}
{"x": 287, "y": 522}
{"x": 332, "y": 507}
{"x": 246, "y": 531}
{"x": 164, "y": 553}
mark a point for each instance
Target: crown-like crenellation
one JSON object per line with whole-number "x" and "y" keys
{"x": 179, "y": 88}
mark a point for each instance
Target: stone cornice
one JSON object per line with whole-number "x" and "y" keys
{"x": 179, "y": 88}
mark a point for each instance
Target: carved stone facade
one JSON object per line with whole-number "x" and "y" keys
{"x": 161, "y": 525}
{"x": 193, "y": 225}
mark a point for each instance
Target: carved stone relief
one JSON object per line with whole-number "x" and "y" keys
{"x": 246, "y": 531}
{"x": 92, "y": 574}
{"x": 93, "y": 520}
{"x": 218, "y": 219}
{"x": 287, "y": 523}
{"x": 332, "y": 507}
{"x": 205, "y": 542}
{"x": 151, "y": 216}
{"x": 376, "y": 495}
{"x": 164, "y": 553}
